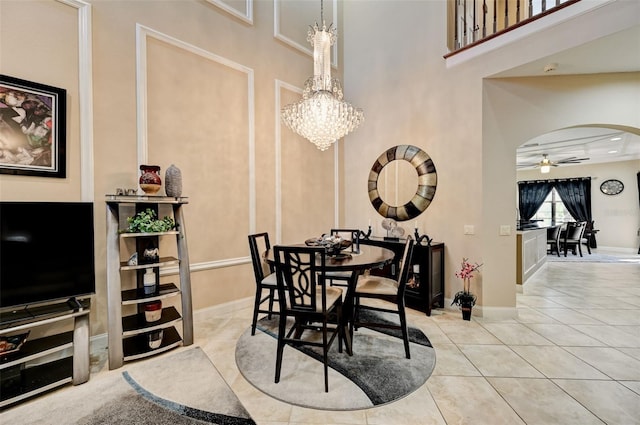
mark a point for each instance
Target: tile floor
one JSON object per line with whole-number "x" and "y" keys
{"x": 572, "y": 356}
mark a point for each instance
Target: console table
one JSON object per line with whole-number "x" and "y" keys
{"x": 425, "y": 289}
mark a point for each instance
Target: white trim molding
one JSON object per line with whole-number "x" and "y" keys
{"x": 246, "y": 15}
{"x": 85, "y": 94}
{"x": 487, "y": 313}
{"x": 303, "y": 48}
{"x": 278, "y": 153}
{"x": 207, "y": 265}
{"x": 142, "y": 33}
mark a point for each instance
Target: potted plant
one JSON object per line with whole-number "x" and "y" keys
{"x": 147, "y": 222}
{"x": 464, "y": 299}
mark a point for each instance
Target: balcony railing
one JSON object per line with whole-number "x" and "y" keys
{"x": 472, "y": 22}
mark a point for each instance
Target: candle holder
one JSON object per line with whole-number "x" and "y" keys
{"x": 420, "y": 238}
{"x": 363, "y": 235}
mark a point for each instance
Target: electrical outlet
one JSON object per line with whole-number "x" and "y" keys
{"x": 469, "y": 229}
{"x": 505, "y": 230}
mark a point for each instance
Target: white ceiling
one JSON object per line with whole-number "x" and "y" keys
{"x": 597, "y": 144}
{"x": 619, "y": 52}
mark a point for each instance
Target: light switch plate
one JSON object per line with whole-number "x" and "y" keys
{"x": 469, "y": 229}
{"x": 505, "y": 230}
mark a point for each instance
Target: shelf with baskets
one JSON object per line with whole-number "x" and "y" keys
{"x": 141, "y": 323}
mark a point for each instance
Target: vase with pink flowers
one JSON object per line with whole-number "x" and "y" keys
{"x": 465, "y": 299}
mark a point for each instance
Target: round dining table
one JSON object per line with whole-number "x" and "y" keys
{"x": 368, "y": 257}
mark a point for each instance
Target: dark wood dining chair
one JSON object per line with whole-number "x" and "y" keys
{"x": 573, "y": 237}
{"x": 304, "y": 296}
{"x": 553, "y": 239}
{"x": 588, "y": 235}
{"x": 347, "y": 234}
{"x": 390, "y": 290}
{"x": 266, "y": 285}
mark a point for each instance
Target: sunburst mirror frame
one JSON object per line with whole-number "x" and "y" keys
{"x": 427, "y": 182}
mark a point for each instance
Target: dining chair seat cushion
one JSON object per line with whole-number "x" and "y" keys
{"x": 270, "y": 280}
{"x": 376, "y": 285}
{"x": 333, "y": 295}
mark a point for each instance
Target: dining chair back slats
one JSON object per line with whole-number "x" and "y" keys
{"x": 314, "y": 306}
{"x": 264, "y": 277}
{"x": 390, "y": 290}
{"x": 573, "y": 237}
{"x": 553, "y": 239}
{"x": 352, "y": 235}
{"x": 301, "y": 275}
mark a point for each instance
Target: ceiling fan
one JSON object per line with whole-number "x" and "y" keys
{"x": 545, "y": 164}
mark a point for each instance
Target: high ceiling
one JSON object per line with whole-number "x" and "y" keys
{"x": 619, "y": 52}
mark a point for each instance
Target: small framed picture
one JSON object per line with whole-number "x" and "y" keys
{"x": 32, "y": 128}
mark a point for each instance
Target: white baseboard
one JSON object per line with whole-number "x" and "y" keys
{"x": 489, "y": 313}
{"x": 228, "y": 307}
{"x": 616, "y": 249}
{"x": 496, "y": 313}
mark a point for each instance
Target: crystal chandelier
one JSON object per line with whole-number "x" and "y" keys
{"x": 322, "y": 116}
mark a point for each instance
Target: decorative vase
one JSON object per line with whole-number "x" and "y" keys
{"x": 466, "y": 307}
{"x": 150, "y": 181}
{"x": 173, "y": 181}
{"x": 149, "y": 281}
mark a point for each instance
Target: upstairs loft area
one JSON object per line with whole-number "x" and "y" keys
{"x": 473, "y": 22}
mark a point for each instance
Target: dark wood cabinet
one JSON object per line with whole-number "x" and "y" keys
{"x": 425, "y": 289}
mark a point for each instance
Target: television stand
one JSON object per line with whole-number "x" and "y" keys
{"x": 74, "y": 304}
{"x": 18, "y": 378}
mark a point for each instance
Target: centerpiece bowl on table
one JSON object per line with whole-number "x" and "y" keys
{"x": 332, "y": 245}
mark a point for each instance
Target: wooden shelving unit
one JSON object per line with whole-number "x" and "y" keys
{"x": 128, "y": 335}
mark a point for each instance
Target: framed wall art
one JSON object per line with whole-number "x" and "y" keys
{"x": 32, "y": 128}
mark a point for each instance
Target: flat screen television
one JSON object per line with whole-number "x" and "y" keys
{"x": 46, "y": 252}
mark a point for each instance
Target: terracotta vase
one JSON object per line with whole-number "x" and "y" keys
{"x": 150, "y": 181}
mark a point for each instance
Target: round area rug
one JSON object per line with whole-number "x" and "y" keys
{"x": 378, "y": 372}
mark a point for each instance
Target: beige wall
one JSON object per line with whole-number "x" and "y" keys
{"x": 184, "y": 83}
{"x": 469, "y": 123}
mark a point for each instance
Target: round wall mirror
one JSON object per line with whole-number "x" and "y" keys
{"x": 427, "y": 180}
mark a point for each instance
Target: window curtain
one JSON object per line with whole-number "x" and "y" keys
{"x": 531, "y": 196}
{"x": 576, "y": 196}
{"x": 638, "y": 177}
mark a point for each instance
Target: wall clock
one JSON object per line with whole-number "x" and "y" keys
{"x": 611, "y": 187}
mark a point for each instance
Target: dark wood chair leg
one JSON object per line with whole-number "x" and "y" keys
{"x": 325, "y": 356}
{"x": 405, "y": 331}
{"x": 281, "y": 336}
{"x": 256, "y": 306}
{"x": 271, "y": 297}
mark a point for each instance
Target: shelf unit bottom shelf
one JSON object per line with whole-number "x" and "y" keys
{"x": 137, "y": 347}
{"x": 35, "y": 380}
